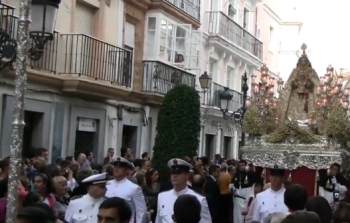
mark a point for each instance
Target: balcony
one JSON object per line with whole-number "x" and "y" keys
{"x": 214, "y": 99}
{"x": 222, "y": 26}
{"x": 187, "y": 11}
{"x": 159, "y": 78}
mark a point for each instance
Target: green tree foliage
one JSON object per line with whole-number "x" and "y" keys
{"x": 253, "y": 123}
{"x": 178, "y": 127}
{"x": 338, "y": 125}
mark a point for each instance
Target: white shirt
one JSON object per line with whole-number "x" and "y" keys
{"x": 269, "y": 202}
{"x": 166, "y": 202}
{"x": 132, "y": 194}
{"x": 83, "y": 209}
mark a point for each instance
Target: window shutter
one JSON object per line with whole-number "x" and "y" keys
{"x": 84, "y": 16}
{"x": 129, "y": 35}
{"x": 16, "y": 4}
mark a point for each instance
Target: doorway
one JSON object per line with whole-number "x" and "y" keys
{"x": 209, "y": 146}
{"x": 32, "y": 132}
{"x": 129, "y": 139}
{"x": 227, "y": 147}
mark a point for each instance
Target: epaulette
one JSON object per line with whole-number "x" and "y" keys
{"x": 76, "y": 197}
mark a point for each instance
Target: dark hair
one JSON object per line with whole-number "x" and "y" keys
{"x": 187, "y": 209}
{"x": 342, "y": 213}
{"x": 213, "y": 168}
{"x": 39, "y": 151}
{"x": 148, "y": 177}
{"x": 259, "y": 183}
{"x": 145, "y": 154}
{"x": 302, "y": 217}
{"x": 321, "y": 207}
{"x": 30, "y": 199}
{"x": 139, "y": 163}
{"x": 140, "y": 179}
{"x": 295, "y": 197}
{"x": 243, "y": 161}
{"x": 69, "y": 158}
{"x": 204, "y": 160}
{"x": 123, "y": 151}
{"x": 110, "y": 149}
{"x": 82, "y": 174}
{"x": 121, "y": 205}
{"x": 35, "y": 214}
{"x": 3, "y": 187}
{"x": 336, "y": 164}
{"x": 48, "y": 210}
{"x": 5, "y": 163}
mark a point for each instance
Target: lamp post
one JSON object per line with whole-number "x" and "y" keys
{"x": 44, "y": 18}
{"x": 226, "y": 105}
{"x": 205, "y": 82}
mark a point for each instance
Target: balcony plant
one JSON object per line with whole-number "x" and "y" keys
{"x": 178, "y": 128}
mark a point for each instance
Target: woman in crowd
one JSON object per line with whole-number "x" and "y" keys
{"x": 60, "y": 192}
{"x": 321, "y": 207}
{"x": 42, "y": 186}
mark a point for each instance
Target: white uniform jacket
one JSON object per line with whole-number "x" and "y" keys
{"x": 166, "y": 201}
{"x": 132, "y": 193}
{"x": 83, "y": 209}
{"x": 269, "y": 202}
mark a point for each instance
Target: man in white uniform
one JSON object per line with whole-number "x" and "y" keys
{"x": 179, "y": 175}
{"x": 124, "y": 188}
{"x": 84, "y": 208}
{"x": 271, "y": 200}
{"x": 331, "y": 181}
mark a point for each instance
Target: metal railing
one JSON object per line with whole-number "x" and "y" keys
{"x": 160, "y": 78}
{"x": 9, "y": 23}
{"x": 237, "y": 99}
{"x": 190, "y": 7}
{"x": 87, "y": 56}
{"x": 222, "y": 25}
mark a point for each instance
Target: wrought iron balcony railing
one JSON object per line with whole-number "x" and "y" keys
{"x": 159, "y": 77}
{"x": 190, "y": 7}
{"x": 87, "y": 56}
{"x": 9, "y": 23}
{"x": 223, "y": 26}
{"x": 237, "y": 99}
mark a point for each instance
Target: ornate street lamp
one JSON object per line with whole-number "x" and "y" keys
{"x": 44, "y": 17}
{"x": 205, "y": 82}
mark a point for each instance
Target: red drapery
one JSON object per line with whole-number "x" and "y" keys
{"x": 305, "y": 177}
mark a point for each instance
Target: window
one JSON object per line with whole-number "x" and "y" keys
{"x": 212, "y": 66}
{"x": 231, "y": 12}
{"x": 258, "y": 33}
{"x": 177, "y": 43}
{"x": 246, "y": 19}
{"x": 271, "y": 38}
{"x": 84, "y": 18}
{"x": 229, "y": 76}
{"x": 151, "y": 37}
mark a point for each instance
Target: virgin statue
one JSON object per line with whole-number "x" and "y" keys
{"x": 297, "y": 99}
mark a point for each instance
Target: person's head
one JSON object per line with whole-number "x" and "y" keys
{"x": 40, "y": 183}
{"x": 321, "y": 207}
{"x": 198, "y": 182}
{"x": 187, "y": 209}
{"x": 5, "y": 166}
{"x": 3, "y": 188}
{"x": 89, "y": 156}
{"x": 205, "y": 160}
{"x": 122, "y": 168}
{"x": 275, "y": 217}
{"x": 144, "y": 156}
{"x": 59, "y": 184}
{"x": 110, "y": 152}
{"x": 52, "y": 212}
{"x": 302, "y": 217}
{"x": 83, "y": 174}
{"x": 258, "y": 186}
{"x": 151, "y": 176}
{"x": 342, "y": 213}
{"x": 214, "y": 171}
{"x": 242, "y": 165}
{"x": 108, "y": 169}
{"x": 295, "y": 197}
{"x": 146, "y": 164}
{"x": 140, "y": 179}
{"x": 114, "y": 210}
{"x": 334, "y": 169}
{"x": 81, "y": 159}
{"x": 224, "y": 167}
{"x": 42, "y": 152}
{"x": 231, "y": 170}
{"x": 125, "y": 152}
{"x": 276, "y": 176}
{"x": 96, "y": 185}
{"x": 179, "y": 170}
{"x": 35, "y": 214}
{"x": 32, "y": 198}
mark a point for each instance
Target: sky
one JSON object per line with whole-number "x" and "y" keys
{"x": 325, "y": 32}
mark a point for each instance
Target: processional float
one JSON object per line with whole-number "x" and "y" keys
{"x": 305, "y": 130}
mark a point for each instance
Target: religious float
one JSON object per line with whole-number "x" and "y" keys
{"x": 305, "y": 129}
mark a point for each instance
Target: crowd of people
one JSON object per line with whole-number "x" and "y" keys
{"x": 199, "y": 190}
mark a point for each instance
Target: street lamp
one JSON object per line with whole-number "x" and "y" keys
{"x": 44, "y": 17}
{"x": 205, "y": 82}
{"x": 42, "y": 28}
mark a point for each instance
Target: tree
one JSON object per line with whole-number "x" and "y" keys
{"x": 337, "y": 126}
{"x": 253, "y": 123}
{"x": 178, "y": 127}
